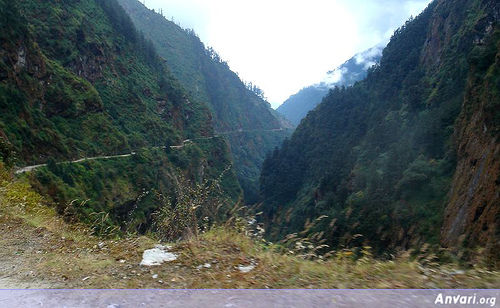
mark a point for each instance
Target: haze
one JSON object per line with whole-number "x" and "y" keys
{"x": 283, "y": 46}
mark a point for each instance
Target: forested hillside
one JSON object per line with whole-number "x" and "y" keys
{"x": 252, "y": 127}
{"x": 77, "y": 80}
{"x": 409, "y": 152}
{"x": 296, "y": 107}
{"x": 130, "y": 158}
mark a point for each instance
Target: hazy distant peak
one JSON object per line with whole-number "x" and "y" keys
{"x": 355, "y": 69}
{"x": 349, "y": 72}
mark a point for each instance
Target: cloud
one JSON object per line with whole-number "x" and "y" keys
{"x": 284, "y": 45}
{"x": 334, "y": 77}
{"x": 368, "y": 55}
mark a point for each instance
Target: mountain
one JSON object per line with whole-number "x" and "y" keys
{"x": 105, "y": 156}
{"x": 410, "y": 155}
{"x": 77, "y": 80}
{"x": 298, "y": 105}
{"x": 239, "y": 112}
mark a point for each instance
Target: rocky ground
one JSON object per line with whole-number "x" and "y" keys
{"x": 40, "y": 250}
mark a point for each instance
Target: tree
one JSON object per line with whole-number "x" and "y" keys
{"x": 12, "y": 22}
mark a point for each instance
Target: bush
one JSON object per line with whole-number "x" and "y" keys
{"x": 195, "y": 208}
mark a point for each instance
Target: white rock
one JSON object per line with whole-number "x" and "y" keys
{"x": 458, "y": 272}
{"x": 206, "y": 265}
{"x": 246, "y": 269}
{"x": 157, "y": 256}
{"x": 155, "y": 276}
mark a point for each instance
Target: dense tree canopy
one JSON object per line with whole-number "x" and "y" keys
{"x": 377, "y": 158}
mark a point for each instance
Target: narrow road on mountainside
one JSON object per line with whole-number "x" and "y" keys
{"x": 174, "y": 147}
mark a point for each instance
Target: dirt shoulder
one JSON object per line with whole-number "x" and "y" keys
{"x": 40, "y": 250}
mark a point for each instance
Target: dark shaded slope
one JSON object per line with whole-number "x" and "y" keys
{"x": 296, "y": 107}
{"x": 209, "y": 79}
{"x": 378, "y": 158}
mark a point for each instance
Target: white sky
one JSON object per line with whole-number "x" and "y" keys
{"x": 285, "y": 45}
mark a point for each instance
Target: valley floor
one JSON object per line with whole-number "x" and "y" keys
{"x": 40, "y": 250}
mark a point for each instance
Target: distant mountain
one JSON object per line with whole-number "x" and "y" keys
{"x": 410, "y": 155}
{"x": 253, "y": 128}
{"x": 298, "y": 105}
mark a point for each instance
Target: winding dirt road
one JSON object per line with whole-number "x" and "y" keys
{"x": 173, "y": 147}
{"x": 31, "y": 168}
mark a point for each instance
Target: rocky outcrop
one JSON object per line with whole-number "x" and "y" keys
{"x": 90, "y": 64}
{"x": 472, "y": 217}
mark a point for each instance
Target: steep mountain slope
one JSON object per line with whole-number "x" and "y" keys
{"x": 385, "y": 158}
{"x": 77, "y": 80}
{"x": 298, "y": 105}
{"x": 254, "y": 127}
{"x": 472, "y": 214}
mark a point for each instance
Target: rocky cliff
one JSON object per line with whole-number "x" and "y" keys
{"x": 472, "y": 217}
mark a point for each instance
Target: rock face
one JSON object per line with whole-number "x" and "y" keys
{"x": 472, "y": 216}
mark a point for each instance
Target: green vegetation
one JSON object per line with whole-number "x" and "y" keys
{"x": 49, "y": 244}
{"x": 378, "y": 158}
{"x": 366, "y": 174}
{"x": 207, "y": 78}
{"x": 78, "y": 80}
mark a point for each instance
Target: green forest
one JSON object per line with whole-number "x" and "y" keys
{"x": 234, "y": 105}
{"x": 378, "y": 159}
{"x": 80, "y": 81}
{"x": 124, "y": 136}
